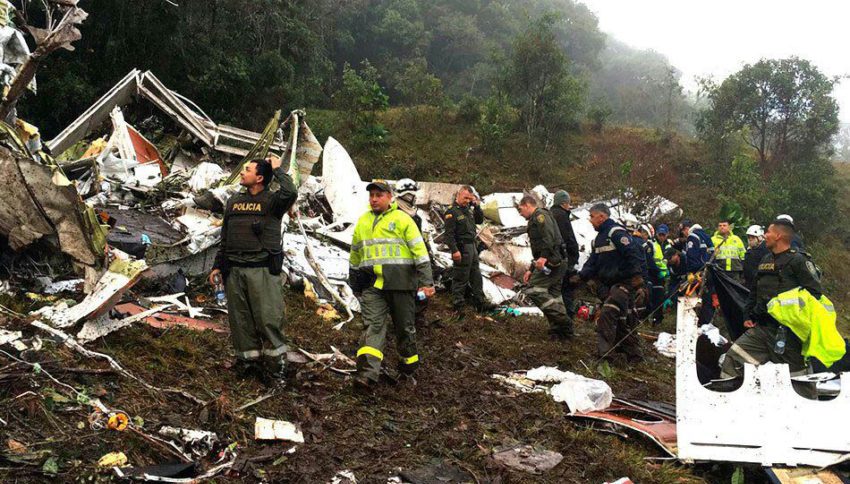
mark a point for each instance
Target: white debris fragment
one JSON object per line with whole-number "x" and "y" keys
{"x": 666, "y": 344}
{"x": 344, "y": 477}
{"x": 266, "y": 429}
{"x": 72, "y": 285}
{"x": 713, "y": 334}
{"x": 200, "y": 442}
{"x": 204, "y": 176}
{"x": 9, "y": 337}
{"x": 344, "y": 189}
{"x": 581, "y": 394}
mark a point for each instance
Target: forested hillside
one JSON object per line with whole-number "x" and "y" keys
{"x": 241, "y": 59}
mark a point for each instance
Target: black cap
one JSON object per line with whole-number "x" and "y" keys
{"x": 381, "y": 185}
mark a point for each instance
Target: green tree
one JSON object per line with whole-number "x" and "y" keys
{"x": 783, "y": 108}
{"x": 362, "y": 98}
{"x": 548, "y": 96}
{"x": 418, "y": 86}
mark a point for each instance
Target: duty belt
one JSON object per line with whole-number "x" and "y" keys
{"x": 254, "y": 264}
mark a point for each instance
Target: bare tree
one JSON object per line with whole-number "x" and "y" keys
{"x": 61, "y": 20}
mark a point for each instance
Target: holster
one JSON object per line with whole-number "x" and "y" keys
{"x": 275, "y": 263}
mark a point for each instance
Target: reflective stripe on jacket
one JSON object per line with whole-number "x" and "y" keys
{"x": 390, "y": 248}
{"x": 729, "y": 252}
{"x": 812, "y": 320}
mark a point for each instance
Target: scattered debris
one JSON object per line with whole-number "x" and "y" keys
{"x": 666, "y": 344}
{"x": 199, "y": 442}
{"x": 265, "y": 429}
{"x": 581, "y": 394}
{"x": 527, "y": 458}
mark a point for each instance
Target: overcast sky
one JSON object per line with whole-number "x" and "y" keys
{"x": 720, "y": 36}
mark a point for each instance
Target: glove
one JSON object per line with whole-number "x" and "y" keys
{"x": 667, "y": 304}
{"x": 636, "y": 281}
{"x": 691, "y": 278}
{"x": 662, "y": 275}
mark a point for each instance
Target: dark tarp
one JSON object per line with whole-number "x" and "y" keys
{"x": 732, "y": 296}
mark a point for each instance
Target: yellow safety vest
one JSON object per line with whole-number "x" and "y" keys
{"x": 729, "y": 254}
{"x": 658, "y": 255}
{"x": 390, "y": 246}
{"x": 812, "y": 320}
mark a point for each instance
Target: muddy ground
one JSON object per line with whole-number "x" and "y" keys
{"x": 455, "y": 412}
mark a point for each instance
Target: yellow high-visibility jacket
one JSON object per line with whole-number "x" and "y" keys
{"x": 388, "y": 248}
{"x": 729, "y": 254}
{"x": 812, "y": 320}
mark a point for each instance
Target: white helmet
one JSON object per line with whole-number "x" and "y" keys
{"x": 405, "y": 185}
{"x": 648, "y": 229}
{"x": 785, "y": 216}
{"x": 755, "y": 231}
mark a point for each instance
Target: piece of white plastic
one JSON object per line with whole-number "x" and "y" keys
{"x": 581, "y": 394}
{"x": 666, "y": 344}
{"x": 266, "y": 429}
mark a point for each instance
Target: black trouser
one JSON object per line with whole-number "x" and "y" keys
{"x": 567, "y": 292}
{"x": 657, "y": 293}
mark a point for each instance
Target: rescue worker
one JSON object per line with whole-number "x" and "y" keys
{"x": 796, "y": 241}
{"x": 460, "y": 234}
{"x": 756, "y": 251}
{"x": 782, "y": 269}
{"x": 617, "y": 266}
{"x": 405, "y": 196}
{"x": 388, "y": 263}
{"x": 546, "y": 273}
{"x": 249, "y": 262}
{"x": 729, "y": 250}
{"x": 561, "y": 212}
{"x": 698, "y": 251}
{"x": 660, "y": 246}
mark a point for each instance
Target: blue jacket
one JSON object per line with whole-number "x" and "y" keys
{"x": 616, "y": 256}
{"x": 698, "y": 250}
{"x": 651, "y": 274}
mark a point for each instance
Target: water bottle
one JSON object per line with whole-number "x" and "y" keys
{"x": 420, "y": 296}
{"x": 546, "y": 270}
{"x": 779, "y": 347}
{"x": 220, "y": 296}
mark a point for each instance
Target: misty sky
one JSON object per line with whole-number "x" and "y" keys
{"x": 720, "y": 36}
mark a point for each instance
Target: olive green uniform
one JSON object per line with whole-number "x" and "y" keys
{"x": 250, "y": 261}
{"x": 545, "y": 290}
{"x": 460, "y": 232}
{"x": 777, "y": 273}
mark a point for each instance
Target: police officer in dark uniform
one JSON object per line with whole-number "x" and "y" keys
{"x": 460, "y": 233}
{"x": 547, "y": 271}
{"x": 782, "y": 269}
{"x": 561, "y": 213}
{"x": 250, "y": 260}
{"x": 617, "y": 264}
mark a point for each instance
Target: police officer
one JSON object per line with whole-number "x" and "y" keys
{"x": 546, "y": 273}
{"x": 729, "y": 250}
{"x": 388, "y": 263}
{"x": 616, "y": 264}
{"x": 460, "y": 233}
{"x": 756, "y": 251}
{"x": 782, "y": 269}
{"x": 796, "y": 241}
{"x": 250, "y": 260}
{"x": 405, "y": 196}
{"x": 563, "y": 217}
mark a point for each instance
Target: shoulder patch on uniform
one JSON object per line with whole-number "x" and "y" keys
{"x": 448, "y": 215}
{"x": 541, "y": 218}
{"x": 812, "y": 269}
{"x": 624, "y": 240}
{"x": 690, "y": 245}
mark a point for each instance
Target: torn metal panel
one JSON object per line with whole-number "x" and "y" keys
{"x": 185, "y": 113}
{"x": 764, "y": 421}
{"x": 657, "y": 424}
{"x": 345, "y": 191}
{"x": 804, "y": 475}
{"x": 122, "y": 275}
{"x": 46, "y": 204}
{"x": 161, "y": 320}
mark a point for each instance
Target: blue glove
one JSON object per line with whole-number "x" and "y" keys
{"x": 667, "y": 304}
